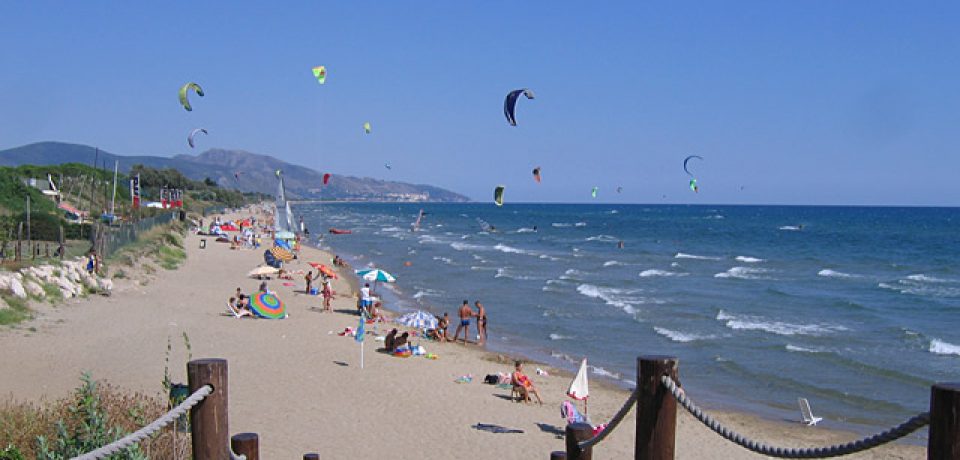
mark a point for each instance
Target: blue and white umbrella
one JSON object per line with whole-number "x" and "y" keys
{"x": 418, "y": 320}
{"x": 375, "y": 274}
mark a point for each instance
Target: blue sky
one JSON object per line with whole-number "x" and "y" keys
{"x": 847, "y": 102}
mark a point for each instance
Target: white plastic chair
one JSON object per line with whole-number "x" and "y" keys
{"x": 806, "y": 413}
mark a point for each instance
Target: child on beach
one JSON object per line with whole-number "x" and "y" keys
{"x": 327, "y": 291}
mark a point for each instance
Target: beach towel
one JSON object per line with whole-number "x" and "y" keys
{"x": 495, "y": 428}
{"x": 570, "y": 413}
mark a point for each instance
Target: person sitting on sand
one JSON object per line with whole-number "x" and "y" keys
{"x": 523, "y": 383}
{"x": 242, "y": 299}
{"x": 237, "y": 309}
{"x": 440, "y": 332}
{"x": 283, "y": 274}
{"x": 376, "y": 313}
{"x": 389, "y": 341}
{"x": 263, "y": 287}
{"x": 401, "y": 341}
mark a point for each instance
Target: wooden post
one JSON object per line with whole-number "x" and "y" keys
{"x": 19, "y": 249}
{"x": 944, "y": 440}
{"x": 208, "y": 420}
{"x": 656, "y": 409}
{"x": 557, "y": 455}
{"x": 311, "y": 456}
{"x": 577, "y": 432}
{"x": 246, "y": 444}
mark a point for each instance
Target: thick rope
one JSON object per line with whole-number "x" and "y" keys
{"x": 892, "y": 434}
{"x": 156, "y": 425}
{"x": 614, "y": 421}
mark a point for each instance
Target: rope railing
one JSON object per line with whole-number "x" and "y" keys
{"x": 614, "y": 421}
{"x": 870, "y": 442}
{"x": 141, "y": 434}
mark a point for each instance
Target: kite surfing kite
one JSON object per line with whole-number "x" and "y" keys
{"x": 326, "y": 178}
{"x": 510, "y": 104}
{"x": 183, "y": 94}
{"x": 693, "y": 180}
{"x": 320, "y": 72}
{"x": 194, "y": 133}
{"x": 619, "y": 189}
{"x": 536, "y": 174}
{"x": 593, "y": 193}
{"x": 237, "y": 175}
{"x": 387, "y": 165}
{"x": 366, "y": 127}
{"x": 498, "y": 195}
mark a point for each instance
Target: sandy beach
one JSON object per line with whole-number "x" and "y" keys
{"x": 299, "y": 384}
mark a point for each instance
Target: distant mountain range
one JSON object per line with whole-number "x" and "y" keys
{"x": 256, "y": 173}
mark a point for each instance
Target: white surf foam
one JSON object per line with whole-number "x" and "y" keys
{"x": 682, "y": 337}
{"x": 681, "y": 255}
{"x": 506, "y": 273}
{"x": 525, "y": 230}
{"x": 597, "y": 370}
{"x": 603, "y": 238}
{"x": 391, "y": 229}
{"x": 612, "y": 263}
{"x": 427, "y": 293}
{"x": 580, "y": 224}
{"x": 744, "y": 273}
{"x": 468, "y": 247}
{"x": 748, "y": 259}
{"x": 572, "y": 274}
{"x": 799, "y": 349}
{"x": 756, "y": 323}
{"x": 790, "y": 228}
{"x": 620, "y": 298}
{"x": 826, "y": 272}
{"x": 654, "y": 272}
{"x": 943, "y": 348}
{"x": 561, "y": 225}
{"x": 928, "y": 279}
{"x": 559, "y": 337}
{"x": 445, "y": 260}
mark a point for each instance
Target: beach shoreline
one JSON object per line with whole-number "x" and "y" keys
{"x": 298, "y": 384}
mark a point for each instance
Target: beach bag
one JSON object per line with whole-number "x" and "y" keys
{"x": 313, "y": 291}
{"x": 491, "y": 379}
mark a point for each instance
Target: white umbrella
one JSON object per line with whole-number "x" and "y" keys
{"x": 418, "y": 320}
{"x": 579, "y": 388}
{"x": 262, "y": 271}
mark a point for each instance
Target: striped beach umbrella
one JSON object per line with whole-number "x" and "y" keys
{"x": 281, "y": 254}
{"x": 418, "y": 320}
{"x": 375, "y": 274}
{"x": 266, "y": 305}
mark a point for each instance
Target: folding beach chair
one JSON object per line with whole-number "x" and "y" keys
{"x": 806, "y": 413}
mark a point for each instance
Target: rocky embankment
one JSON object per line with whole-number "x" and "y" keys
{"x": 53, "y": 282}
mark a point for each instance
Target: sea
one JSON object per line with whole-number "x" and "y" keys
{"x": 856, "y": 309}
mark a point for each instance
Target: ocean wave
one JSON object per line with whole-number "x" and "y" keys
{"x": 943, "y": 348}
{"x": 480, "y": 268}
{"x": 580, "y": 224}
{"x": 425, "y": 239}
{"x": 757, "y": 323}
{"x": 744, "y": 273}
{"x": 427, "y": 293}
{"x": 928, "y": 279}
{"x": 613, "y": 211}
{"x": 525, "y": 230}
{"x": 619, "y": 298}
{"x": 597, "y": 370}
{"x": 835, "y": 274}
{"x": 799, "y": 349}
{"x": 391, "y": 229}
{"x": 714, "y": 217}
{"x": 445, "y": 260}
{"x": 748, "y": 259}
{"x": 468, "y": 247}
{"x": 682, "y": 337}
{"x": 544, "y": 256}
{"x": 790, "y": 228}
{"x": 655, "y": 272}
{"x": 512, "y": 250}
{"x": 572, "y": 274}
{"x": 505, "y": 273}
{"x": 923, "y": 288}
{"x": 612, "y": 263}
{"x": 603, "y": 238}
{"x": 561, "y": 225}
{"x": 559, "y": 337}
{"x": 681, "y": 255}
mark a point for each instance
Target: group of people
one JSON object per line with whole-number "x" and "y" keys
{"x": 326, "y": 287}
{"x": 466, "y": 315}
{"x": 239, "y": 304}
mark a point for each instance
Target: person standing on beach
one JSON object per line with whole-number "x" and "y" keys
{"x": 465, "y": 314}
{"x": 365, "y": 300}
{"x": 309, "y": 280}
{"x": 481, "y": 323}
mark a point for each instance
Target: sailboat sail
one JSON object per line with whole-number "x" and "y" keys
{"x": 284, "y": 220}
{"x": 416, "y": 225}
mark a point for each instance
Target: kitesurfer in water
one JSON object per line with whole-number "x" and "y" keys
{"x": 620, "y": 245}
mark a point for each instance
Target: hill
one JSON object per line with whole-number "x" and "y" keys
{"x": 256, "y": 172}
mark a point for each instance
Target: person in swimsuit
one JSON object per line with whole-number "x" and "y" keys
{"x": 523, "y": 383}
{"x": 465, "y": 314}
{"x": 481, "y": 323}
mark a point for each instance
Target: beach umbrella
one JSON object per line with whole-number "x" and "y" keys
{"x": 579, "y": 388}
{"x": 376, "y": 275}
{"x": 266, "y": 305}
{"x": 281, "y": 253}
{"x": 262, "y": 271}
{"x": 324, "y": 269}
{"x": 418, "y": 320}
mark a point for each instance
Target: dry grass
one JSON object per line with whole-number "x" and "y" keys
{"x": 21, "y": 423}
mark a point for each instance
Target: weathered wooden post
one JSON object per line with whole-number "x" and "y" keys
{"x": 208, "y": 419}
{"x": 246, "y": 444}
{"x": 656, "y": 409}
{"x": 557, "y": 455}
{"x": 944, "y": 441}
{"x": 575, "y": 433}
{"x": 311, "y": 456}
